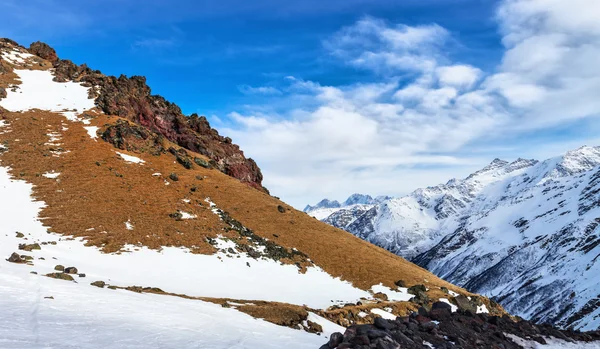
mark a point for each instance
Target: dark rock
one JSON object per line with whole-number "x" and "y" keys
{"x": 383, "y": 324}
{"x": 60, "y": 276}
{"x": 16, "y": 258}
{"x": 81, "y": 275}
{"x": 465, "y": 304}
{"x": 400, "y": 283}
{"x": 201, "y": 162}
{"x": 174, "y": 177}
{"x": 441, "y": 305}
{"x": 29, "y": 247}
{"x": 417, "y": 289}
{"x": 281, "y": 209}
{"x": 59, "y": 268}
{"x": 20, "y": 235}
{"x": 335, "y": 339}
{"x": 71, "y": 270}
{"x": 178, "y": 216}
{"x": 133, "y": 138}
{"x": 100, "y": 284}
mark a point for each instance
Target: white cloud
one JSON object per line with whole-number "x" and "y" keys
{"x": 461, "y": 75}
{"x": 260, "y": 90}
{"x": 374, "y": 44}
{"x": 389, "y": 136}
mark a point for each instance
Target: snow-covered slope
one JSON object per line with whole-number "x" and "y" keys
{"x": 525, "y": 232}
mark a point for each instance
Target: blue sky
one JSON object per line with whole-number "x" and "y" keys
{"x": 334, "y": 97}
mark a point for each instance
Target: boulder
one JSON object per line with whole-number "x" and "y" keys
{"x": 16, "y": 258}
{"x": 71, "y": 270}
{"x": 100, "y": 284}
{"x": 60, "y": 276}
{"x": 43, "y": 50}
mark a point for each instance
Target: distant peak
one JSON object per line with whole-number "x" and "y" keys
{"x": 325, "y": 203}
{"x": 355, "y": 199}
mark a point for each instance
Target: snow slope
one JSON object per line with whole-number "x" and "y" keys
{"x": 100, "y": 317}
{"x": 525, "y": 232}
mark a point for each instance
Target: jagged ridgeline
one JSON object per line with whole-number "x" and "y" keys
{"x": 116, "y": 206}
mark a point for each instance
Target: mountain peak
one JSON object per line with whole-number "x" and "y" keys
{"x": 574, "y": 161}
{"x": 355, "y": 199}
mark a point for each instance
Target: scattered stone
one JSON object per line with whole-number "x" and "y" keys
{"x": 100, "y": 284}
{"x": 178, "y": 216}
{"x": 49, "y": 297}
{"x": 400, "y": 283}
{"x": 71, "y": 270}
{"x": 16, "y": 258}
{"x": 81, "y": 275}
{"x": 465, "y": 304}
{"x": 313, "y": 327}
{"x": 60, "y": 276}
{"x": 201, "y": 163}
{"x": 30, "y": 247}
{"x": 20, "y": 235}
{"x": 281, "y": 209}
{"x": 445, "y": 289}
{"x": 33, "y": 272}
{"x": 174, "y": 177}
{"x": 380, "y": 295}
{"x": 59, "y": 268}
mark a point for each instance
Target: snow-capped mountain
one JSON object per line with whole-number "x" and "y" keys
{"x": 353, "y": 206}
{"x": 525, "y": 232}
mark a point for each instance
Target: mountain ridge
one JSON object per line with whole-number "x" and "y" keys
{"x": 470, "y": 231}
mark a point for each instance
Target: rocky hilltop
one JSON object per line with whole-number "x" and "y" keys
{"x": 132, "y": 98}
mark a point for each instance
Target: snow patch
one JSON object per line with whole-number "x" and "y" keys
{"x": 130, "y": 158}
{"x": 401, "y": 295}
{"x": 384, "y": 314}
{"x": 38, "y": 91}
{"x": 92, "y": 131}
{"x": 51, "y": 175}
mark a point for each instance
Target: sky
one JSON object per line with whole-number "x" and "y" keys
{"x": 335, "y": 97}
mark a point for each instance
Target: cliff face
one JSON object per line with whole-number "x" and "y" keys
{"x": 131, "y": 98}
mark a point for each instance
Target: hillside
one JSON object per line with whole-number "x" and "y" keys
{"x": 523, "y": 232}
{"x": 117, "y": 210}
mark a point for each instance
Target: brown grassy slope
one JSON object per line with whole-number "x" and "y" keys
{"x": 97, "y": 192}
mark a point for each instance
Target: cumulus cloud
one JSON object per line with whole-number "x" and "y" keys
{"x": 391, "y": 135}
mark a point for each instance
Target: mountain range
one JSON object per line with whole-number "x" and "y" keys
{"x": 523, "y": 232}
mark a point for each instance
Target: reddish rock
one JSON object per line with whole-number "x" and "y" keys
{"x": 44, "y": 51}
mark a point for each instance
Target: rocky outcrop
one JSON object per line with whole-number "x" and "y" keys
{"x": 132, "y": 98}
{"x": 44, "y": 51}
{"x": 132, "y": 137}
{"x": 440, "y": 328}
